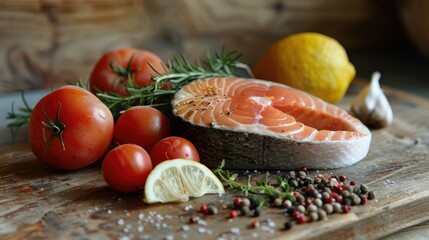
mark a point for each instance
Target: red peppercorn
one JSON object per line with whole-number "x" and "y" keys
{"x": 304, "y": 169}
{"x": 296, "y": 215}
{"x": 308, "y": 201}
{"x": 254, "y": 224}
{"x": 237, "y": 202}
{"x": 334, "y": 195}
{"x": 339, "y": 199}
{"x": 233, "y": 214}
{"x": 346, "y": 208}
{"x": 352, "y": 183}
{"x": 338, "y": 189}
{"x": 302, "y": 219}
{"x": 363, "y": 200}
{"x": 330, "y": 200}
{"x": 320, "y": 176}
{"x": 342, "y": 178}
{"x": 193, "y": 220}
{"x": 204, "y": 209}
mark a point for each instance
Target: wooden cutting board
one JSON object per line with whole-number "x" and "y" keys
{"x": 38, "y": 202}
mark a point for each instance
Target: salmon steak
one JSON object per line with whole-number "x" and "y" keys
{"x": 257, "y": 124}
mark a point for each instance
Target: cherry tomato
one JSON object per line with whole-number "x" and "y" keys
{"x": 126, "y": 167}
{"x": 171, "y": 148}
{"x": 114, "y": 67}
{"x": 70, "y": 128}
{"x": 141, "y": 125}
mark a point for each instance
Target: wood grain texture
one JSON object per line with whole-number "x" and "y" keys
{"x": 45, "y": 43}
{"x": 38, "y": 202}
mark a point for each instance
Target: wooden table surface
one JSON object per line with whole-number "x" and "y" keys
{"x": 42, "y": 203}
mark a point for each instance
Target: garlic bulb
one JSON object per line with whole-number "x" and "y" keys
{"x": 371, "y": 105}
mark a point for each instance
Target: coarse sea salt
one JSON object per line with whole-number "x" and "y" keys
{"x": 169, "y": 237}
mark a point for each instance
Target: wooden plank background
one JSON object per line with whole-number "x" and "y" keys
{"x": 38, "y": 202}
{"x": 46, "y": 42}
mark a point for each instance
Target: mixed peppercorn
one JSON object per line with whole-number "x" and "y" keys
{"x": 311, "y": 199}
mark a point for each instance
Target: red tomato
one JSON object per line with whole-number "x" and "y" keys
{"x": 141, "y": 125}
{"x": 171, "y": 148}
{"x": 70, "y": 128}
{"x": 126, "y": 167}
{"x": 124, "y": 61}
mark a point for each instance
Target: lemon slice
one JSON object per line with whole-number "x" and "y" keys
{"x": 177, "y": 180}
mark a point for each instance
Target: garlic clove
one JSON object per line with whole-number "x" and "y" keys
{"x": 371, "y": 105}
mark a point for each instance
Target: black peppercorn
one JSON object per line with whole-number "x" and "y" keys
{"x": 213, "y": 210}
{"x": 371, "y": 195}
{"x": 290, "y": 211}
{"x": 288, "y": 225}
{"x": 256, "y": 213}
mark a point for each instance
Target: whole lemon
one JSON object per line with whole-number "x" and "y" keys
{"x": 312, "y": 62}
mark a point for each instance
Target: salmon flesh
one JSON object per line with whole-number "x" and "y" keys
{"x": 256, "y": 124}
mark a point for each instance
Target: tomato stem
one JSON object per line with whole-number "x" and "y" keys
{"x": 56, "y": 127}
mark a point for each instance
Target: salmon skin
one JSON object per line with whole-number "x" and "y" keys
{"x": 256, "y": 124}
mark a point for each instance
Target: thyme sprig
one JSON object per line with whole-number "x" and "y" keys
{"x": 180, "y": 72}
{"x": 264, "y": 186}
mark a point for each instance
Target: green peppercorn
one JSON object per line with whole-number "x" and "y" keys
{"x": 312, "y": 208}
{"x": 337, "y": 207}
{"x": 293, "y": 183}
{"x": 302, "y": 174}
{"x": 287, "y": 203}
{"x": 350, "y": 188}
{"x": 313, "y": 216}
{"x": 213, "y": 210}
{"x": 278, "y": 202}
{"x": 300, "y": 208}
{"x": 326, "y": 195}
{"x": 299, "y": 197}
{"x": 325, "y": 181}
{"x": 371, "y": 195}
{"x": 317, "y": 181}
{"x": 328, "y": 190}
{"x": 245, "y": 202}
{"x": 292, "y": 174}
{"x": 328, "y": 208}
{"x": 308, "y": 180}
{"x": 363, "y": 188}
{"x": 318, "y": 202}
{"x": 346, "y": 194}
{"x": 322, "y": 214}
{"x": 355, "y": 199}
{"x": 244, "y": 210}
{"x": 356, "y": 190}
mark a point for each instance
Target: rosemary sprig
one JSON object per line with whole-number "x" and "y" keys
{"x": 20, "y": 118}
{"x": 180, "y": 72}
{"x": 263, "y": 186}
